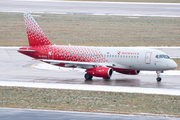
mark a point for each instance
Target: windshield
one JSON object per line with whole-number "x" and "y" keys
{"x": 162, "y": 56}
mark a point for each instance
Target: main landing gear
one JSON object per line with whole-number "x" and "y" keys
{"x": 158, "y": 76}
{"x": 106, "y": 78}
{"x": 88, "y": 77}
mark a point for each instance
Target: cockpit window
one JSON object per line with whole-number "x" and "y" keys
{"x": 157, "y": 56}
{"x": 162, "y": 56}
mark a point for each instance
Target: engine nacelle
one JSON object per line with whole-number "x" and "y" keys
{"x": 100, "y": 72}
{"x": 129, "y": 72}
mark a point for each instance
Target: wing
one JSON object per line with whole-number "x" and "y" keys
{"x": 84, "y": 65}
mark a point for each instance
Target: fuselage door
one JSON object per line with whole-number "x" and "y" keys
{"x": 148, "y": 57}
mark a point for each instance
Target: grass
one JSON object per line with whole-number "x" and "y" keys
{"x": 93, "y": 30}
{"x": 74, "y": 100}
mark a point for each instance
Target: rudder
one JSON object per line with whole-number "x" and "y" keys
{"x": 36, "y": 36}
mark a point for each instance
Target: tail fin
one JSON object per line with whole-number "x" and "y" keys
{"x": 35, "y": 35}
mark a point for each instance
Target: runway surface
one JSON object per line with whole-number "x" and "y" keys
{"x": 92, "y": 8}
{"x": 30, "y": 114}
{"x": 17, "y": 67}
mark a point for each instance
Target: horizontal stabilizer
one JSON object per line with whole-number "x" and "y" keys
{"x": 26, "y": 50}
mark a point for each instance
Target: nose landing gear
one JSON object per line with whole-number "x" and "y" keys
{"x": 158, "y": 76}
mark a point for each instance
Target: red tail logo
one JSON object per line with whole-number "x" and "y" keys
{"x": 35, "y": 35}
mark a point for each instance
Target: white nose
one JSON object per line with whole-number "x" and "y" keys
{"x": 172, "y": 65}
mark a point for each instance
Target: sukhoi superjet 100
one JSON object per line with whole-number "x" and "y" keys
{"x": 97, "y": 61}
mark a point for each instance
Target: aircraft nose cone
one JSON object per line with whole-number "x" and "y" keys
{"x": 173, "y": 65}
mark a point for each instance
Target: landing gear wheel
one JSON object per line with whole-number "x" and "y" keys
{"x": 158, "y": 79}
{"x": 88, "y": 77}
{"x": 106, "y": 78}
{"x": 158, "y": 76}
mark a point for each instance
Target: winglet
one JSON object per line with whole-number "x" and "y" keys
{"x": 35, "y": 35}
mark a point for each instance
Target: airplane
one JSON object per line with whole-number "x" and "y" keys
{"x": 97, "y": 61}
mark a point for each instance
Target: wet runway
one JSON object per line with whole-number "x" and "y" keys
{"x": 30, "y": 114}
{"x": 93, "y": 8}
{"x": 17, "y": 67}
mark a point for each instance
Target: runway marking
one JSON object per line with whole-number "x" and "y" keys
{"x": 32, "y": 66}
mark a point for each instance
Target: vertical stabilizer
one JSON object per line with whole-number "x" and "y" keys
{"x": 35, "y": 35}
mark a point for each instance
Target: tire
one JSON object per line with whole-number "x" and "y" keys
{"x": 106, "y": 78}
{"x": 88, "y": 77}
{"x": 158, "y": 79}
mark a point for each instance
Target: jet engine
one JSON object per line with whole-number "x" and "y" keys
{"x": 129, "y": 72}
{"x": 104, "y": 72}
